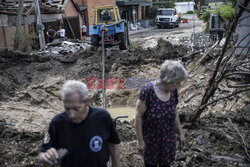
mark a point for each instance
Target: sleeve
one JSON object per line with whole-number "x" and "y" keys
{"x": 49, "y": 139}
{"x": 113, "y": 135}
{"x": 144, "y": 94}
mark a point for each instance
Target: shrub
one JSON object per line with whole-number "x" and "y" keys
{"x": 27, "y": 40}
{"x": 190, "y": 12}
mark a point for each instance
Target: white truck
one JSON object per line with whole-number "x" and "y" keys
{"x": 167, "y": 17}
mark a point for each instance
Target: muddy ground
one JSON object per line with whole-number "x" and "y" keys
{"x": 29, "y": 98}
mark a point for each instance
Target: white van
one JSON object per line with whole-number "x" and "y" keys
{"x": 167, "y": 17}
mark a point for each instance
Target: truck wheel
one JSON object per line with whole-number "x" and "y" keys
{"x": 123, "y": 38}
{"x": 95, "y": 40}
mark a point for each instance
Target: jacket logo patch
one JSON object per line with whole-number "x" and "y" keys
{"x": 95, "y": 143}
{"x": 46, "y": 138}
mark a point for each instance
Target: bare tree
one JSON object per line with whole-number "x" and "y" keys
{"x": 228, "y": 66}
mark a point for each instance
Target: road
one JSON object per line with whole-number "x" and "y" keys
{"x": 149, "y": 37}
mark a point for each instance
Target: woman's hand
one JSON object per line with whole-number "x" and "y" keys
{"x": 49, "y": 157}
{"x": 141, "y": 147}
{"x": 182, "y": 141}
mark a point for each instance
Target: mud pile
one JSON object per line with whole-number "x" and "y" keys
{"x": 29, "y": 98}
{"x": 208, "y": 145}
{"x": 19, "y": 148}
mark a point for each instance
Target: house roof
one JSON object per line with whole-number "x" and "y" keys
{"x": 10, "y": 7}
{"x": 132, "y": 2}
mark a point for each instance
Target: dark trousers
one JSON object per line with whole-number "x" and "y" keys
{"x": 148, "y": 165}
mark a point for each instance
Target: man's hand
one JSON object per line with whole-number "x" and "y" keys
{"x": 141, "y": 147}
{"x": 49, "y": 157}
{"x": 182, "y": 141}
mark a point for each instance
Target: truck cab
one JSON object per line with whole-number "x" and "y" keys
{"x": 167, "y": 17}
{"x": 116, "y": 30}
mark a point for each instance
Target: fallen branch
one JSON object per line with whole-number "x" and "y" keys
{"x": 227, "y": 158}
{"x": 243, "y": 139}
{"x": 205, "y": 55}
{"x": 238, "y": 86}
{"x": 201, "y": 108}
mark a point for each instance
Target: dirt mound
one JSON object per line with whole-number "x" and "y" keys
{"x": 19, "y": 148}
{"x": 19, "y": 70}
{"x": 206, "y": 145}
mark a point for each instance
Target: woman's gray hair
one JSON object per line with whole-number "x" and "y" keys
{"x": 172, "y": 71}
{"x": 73, "y": 86}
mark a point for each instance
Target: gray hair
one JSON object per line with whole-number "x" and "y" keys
{"x": 172, "y": 71}
{"x": 73, "y": 86}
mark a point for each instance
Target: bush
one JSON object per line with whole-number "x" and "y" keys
{"x": 190, "y": 12}
{"x": 133, "y": 46}
{"x": 27, "y": 40}
{"x": 225, "y": 12}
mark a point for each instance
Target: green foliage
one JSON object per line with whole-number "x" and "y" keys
{"x": 190, "y": 12}
{"x": 27, "y": 40}
{"x": 206, "y": 15}
{"x": 225, "y": 12}
{"x": 133, "y": 46}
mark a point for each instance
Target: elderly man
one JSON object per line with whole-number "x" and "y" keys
{"x": 87, "y": 133}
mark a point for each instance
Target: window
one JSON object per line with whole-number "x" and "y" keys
{"x": 165, "y": 12}
{"x": 105, "y": 15}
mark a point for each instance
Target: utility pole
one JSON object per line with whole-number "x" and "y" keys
{"x": 103, "y": 71}
{"x": 18, "y": 25}
{"x": 39, "y": 25}
{"x": 193, "y": 27}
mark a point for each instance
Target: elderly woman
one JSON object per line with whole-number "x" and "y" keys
{"x": 88, "y": 133}
{"x": 156, "y": 118}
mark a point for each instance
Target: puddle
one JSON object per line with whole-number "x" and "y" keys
{"x": 122, "y": 111}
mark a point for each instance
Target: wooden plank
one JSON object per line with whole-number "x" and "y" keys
{"x": 29, "y": 10}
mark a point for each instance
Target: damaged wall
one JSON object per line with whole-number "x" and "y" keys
{"x": 7, "y": 35}
{"x": 242, "y": 30}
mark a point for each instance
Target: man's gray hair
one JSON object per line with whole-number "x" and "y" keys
{"x": 73, "y": 86}
{"x": 172, "y": 71}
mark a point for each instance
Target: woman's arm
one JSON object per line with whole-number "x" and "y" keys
{"x": 140, "y": 110}
{"x": 178, "y": 124}
{"x": 114, "y": 153}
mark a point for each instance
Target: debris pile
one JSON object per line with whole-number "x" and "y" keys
{"x": 65, "y": 47}
{"x": 30, "y": 85}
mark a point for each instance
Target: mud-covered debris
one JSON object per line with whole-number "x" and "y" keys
{"x": 65, "y": 47}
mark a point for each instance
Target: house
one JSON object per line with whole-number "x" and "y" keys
{"x": 53, "y": 13}
{"x": 133, "y": 10}
{"x": 183, "y": 7}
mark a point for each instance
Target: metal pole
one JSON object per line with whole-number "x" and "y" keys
{"x": 193, "y": 27}
{"x": 103, "y": 71}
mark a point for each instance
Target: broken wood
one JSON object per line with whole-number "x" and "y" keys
{"x": 227, "y": 158}
{"x": 70, "y": 27}
{"x": 204, "y": 55}
{"x": 242, "y": 138}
